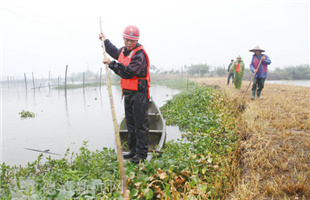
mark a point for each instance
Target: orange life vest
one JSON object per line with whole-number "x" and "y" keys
{"x": 239, "y": 67}
{"x": 132, "y": 83}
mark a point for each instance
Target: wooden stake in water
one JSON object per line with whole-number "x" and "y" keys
{"x": 66, "y": 80}
{"x": 34, "y": 87}
{"x": 117, "y": 136}
{"x": 25, "y": 81}
{"x": 83, "y": 82}
{"x": 49, "y": 79}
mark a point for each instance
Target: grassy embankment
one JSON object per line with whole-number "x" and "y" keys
{"x": 275, "y": 141}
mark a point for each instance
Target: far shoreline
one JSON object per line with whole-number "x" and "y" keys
{"x": 302, "y": 83}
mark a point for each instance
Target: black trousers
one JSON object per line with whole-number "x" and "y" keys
{"x": 230, "y": 76}
{"x": 137, "y": 120}
{"x": 258, "y": 82}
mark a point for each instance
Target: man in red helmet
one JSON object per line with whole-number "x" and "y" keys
{"x": 133, "y": 68}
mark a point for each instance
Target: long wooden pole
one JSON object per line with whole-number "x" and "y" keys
{"x": 117, "y": 136}
{"x": 249, "y": 84}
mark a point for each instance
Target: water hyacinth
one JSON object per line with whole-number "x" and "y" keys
{"x": 26, "y": 114}
{"x": 199, "y": 166}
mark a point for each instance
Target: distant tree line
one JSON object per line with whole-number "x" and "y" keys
{"x": 287, "y": 73}
{"x": 299, "y": 72}
{"x": 200, "y": 70}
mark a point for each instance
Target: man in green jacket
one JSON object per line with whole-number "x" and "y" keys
{"x": 238, "y": 68}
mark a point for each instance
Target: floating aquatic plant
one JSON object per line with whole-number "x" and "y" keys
{"x": 26, "y": 114}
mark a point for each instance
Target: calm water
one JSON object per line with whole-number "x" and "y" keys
{"x": 62, "y": 123}
{"x": 303, "y": 83}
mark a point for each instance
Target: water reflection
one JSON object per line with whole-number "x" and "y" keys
{"x": 67, "y": 110}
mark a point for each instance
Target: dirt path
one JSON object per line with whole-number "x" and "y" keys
{"x": 275, "y": 141}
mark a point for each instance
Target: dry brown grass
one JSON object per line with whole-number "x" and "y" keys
{"x": 275, "y": 141}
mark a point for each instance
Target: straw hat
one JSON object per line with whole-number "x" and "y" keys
{"x": 256, "y": 48}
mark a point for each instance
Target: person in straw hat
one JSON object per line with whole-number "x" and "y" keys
{"x": 261, "y": 71}
{"x": 238, "y": 69}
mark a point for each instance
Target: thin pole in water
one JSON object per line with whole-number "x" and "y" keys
{"x": 83, "y": 82}
{"x": 25, "y": 80}
{"x": 49, "y": 79}
{"x": 66, "y": 80}
{"x": 34, "y": 87}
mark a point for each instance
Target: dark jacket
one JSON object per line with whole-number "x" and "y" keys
{"x": 229, "y": 66}
{"x": 137, "y": 66}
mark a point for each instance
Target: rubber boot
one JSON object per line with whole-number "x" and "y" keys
{"x": 253, "y": 94}
{"x": 258, "y": 94}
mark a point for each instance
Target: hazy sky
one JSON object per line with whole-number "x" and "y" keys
{"x": 42, "y": 36}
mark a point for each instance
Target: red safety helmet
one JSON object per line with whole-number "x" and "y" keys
{"x": 131, "y": 32}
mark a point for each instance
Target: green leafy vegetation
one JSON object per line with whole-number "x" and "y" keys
{"x": 26, "y": 114}
{"x": 86, "y": 175}
{"x": 199, "y": 166}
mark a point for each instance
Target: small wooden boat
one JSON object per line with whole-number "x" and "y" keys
{"x": 157, "y": 131}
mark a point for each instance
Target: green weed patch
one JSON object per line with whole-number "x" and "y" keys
{"x": 200, "y": 166}
{"x": 26, "y": 114}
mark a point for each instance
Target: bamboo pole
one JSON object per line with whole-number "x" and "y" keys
{"x": 117, "y": 136}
